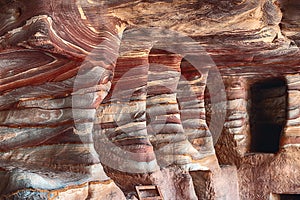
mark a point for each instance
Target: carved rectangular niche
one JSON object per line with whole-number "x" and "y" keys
{"x": 268, "y": 113}
{"x": 148, "y": 192}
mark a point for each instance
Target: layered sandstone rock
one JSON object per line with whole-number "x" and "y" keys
{"x": 97, "y": 97}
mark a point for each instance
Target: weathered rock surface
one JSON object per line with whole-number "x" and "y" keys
{"x": 197, "y": 97}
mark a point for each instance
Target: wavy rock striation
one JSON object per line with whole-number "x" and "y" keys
{"x": 197, "y": 97}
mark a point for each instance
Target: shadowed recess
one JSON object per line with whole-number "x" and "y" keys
{"x": 267, "y": 114}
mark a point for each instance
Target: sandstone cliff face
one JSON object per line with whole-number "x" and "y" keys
{"x": 197, "y": 97}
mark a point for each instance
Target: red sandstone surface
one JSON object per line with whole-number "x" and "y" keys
{"x": 200, "y": 98}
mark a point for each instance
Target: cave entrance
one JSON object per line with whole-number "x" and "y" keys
{"x": 267, "y": 114}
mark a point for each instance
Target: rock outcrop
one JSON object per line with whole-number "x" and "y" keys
{"x": 197, "y": 97}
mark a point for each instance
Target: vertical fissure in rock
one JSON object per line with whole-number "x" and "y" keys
{"x": 207, "y": 105}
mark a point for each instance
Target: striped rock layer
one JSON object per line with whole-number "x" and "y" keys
{"x": 99, "y": 96}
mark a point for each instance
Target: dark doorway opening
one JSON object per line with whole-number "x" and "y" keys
{"x": 268, "y": 112}
{"x": 289, "y": 196}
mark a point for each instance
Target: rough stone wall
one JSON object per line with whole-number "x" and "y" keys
{"x": 97, "y": 97}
